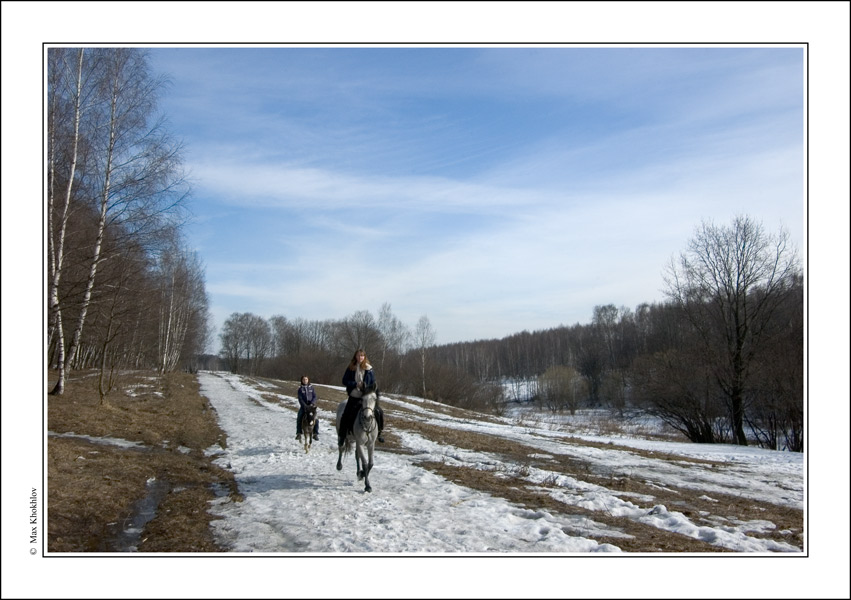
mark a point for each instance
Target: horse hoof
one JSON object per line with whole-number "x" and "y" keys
{"x": 368, "y": 488}
{"x": 339, "y": 466}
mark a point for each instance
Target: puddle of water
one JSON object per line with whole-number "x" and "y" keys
{"x": 126, "y": 534}
{"x": 220, "y": 490}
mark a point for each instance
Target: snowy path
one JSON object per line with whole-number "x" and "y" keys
{"x": 297, "y": 502}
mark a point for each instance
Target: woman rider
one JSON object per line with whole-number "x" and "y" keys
{"x": 358, "y": 378}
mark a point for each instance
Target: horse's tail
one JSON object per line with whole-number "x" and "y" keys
{"x": 347, "y": 446}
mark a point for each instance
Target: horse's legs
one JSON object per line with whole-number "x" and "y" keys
{"x": 359, "y": 461}
{"x": 365, "y": 467}
{"x": 366, "y": 470}
{"x": 368, "y": 465}
{"x": 306, "y": 435}
{"x": 340, "y": 458}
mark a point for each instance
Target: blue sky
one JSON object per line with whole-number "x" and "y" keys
{"x": 491, "y": 189}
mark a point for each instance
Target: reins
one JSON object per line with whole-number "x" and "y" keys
{"x": 361, "y": 420}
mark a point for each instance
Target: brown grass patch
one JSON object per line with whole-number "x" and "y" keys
{"x": 722, "y": 508}
{"x": 638, "y": 537}
{"x": 94, "y": 487}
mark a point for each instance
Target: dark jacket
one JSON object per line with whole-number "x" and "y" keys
{"x": 350, "y": 383}
{"x": 306, "y": 396}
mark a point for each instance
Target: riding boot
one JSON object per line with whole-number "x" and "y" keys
{"x": 379, "y": 417}
{"x": 347, "y": 419}
{"x": 344, "y": 430}
{"x": 350, "y": 413}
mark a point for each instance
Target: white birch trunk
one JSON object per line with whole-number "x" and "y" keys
{"x": 57, "y": 244}
{"x": 104, "y": 204}
{"x": 174, "y": 321}
{"x": 165, "y": 324}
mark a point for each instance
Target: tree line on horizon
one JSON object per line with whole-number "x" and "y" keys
{"x": 721, "y": 360}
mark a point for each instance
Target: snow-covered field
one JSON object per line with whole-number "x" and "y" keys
{"x": 299, "y": 503}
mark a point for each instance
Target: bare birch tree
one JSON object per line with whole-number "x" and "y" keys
{"x": 134, "y": 166}
{"x": 424, "y": 338}
{"x": 183, "y": 305}
{"x": 65, "y": 88}
{"x": 393, "y": 333}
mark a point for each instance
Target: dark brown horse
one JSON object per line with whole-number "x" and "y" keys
{"x": 307, "y": 423}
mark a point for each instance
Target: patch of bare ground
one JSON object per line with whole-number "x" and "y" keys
{"x": 637, "y": 537}
{"x": 446, "y": 409}
{"x": 94, "y": 488}
{"x": 719, "y": 509}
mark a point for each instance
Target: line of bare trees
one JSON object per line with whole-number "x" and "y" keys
{"x": 721, "y": 360}
{"x": 123, "y": 290}
{"x": 402, "y": 356}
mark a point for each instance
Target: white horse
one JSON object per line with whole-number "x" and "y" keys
{"x": 364, "y": 433}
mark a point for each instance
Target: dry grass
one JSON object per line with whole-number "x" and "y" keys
{"x": 636, "y": 537}
{"x": 93, "y": 487}
{"x": 691, "y": 503}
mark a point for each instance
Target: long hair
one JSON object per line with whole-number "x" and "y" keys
{"x": 353, "y": 365}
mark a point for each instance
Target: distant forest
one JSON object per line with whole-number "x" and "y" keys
{"x": 721, "y": 360}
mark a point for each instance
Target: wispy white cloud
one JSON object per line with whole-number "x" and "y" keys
{"x": 249, "y": 183}
{"x": 494, "y": 190}
{"x": 528, "y": 258}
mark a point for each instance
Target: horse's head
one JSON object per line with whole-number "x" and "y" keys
{"x": 370, "y": 398}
